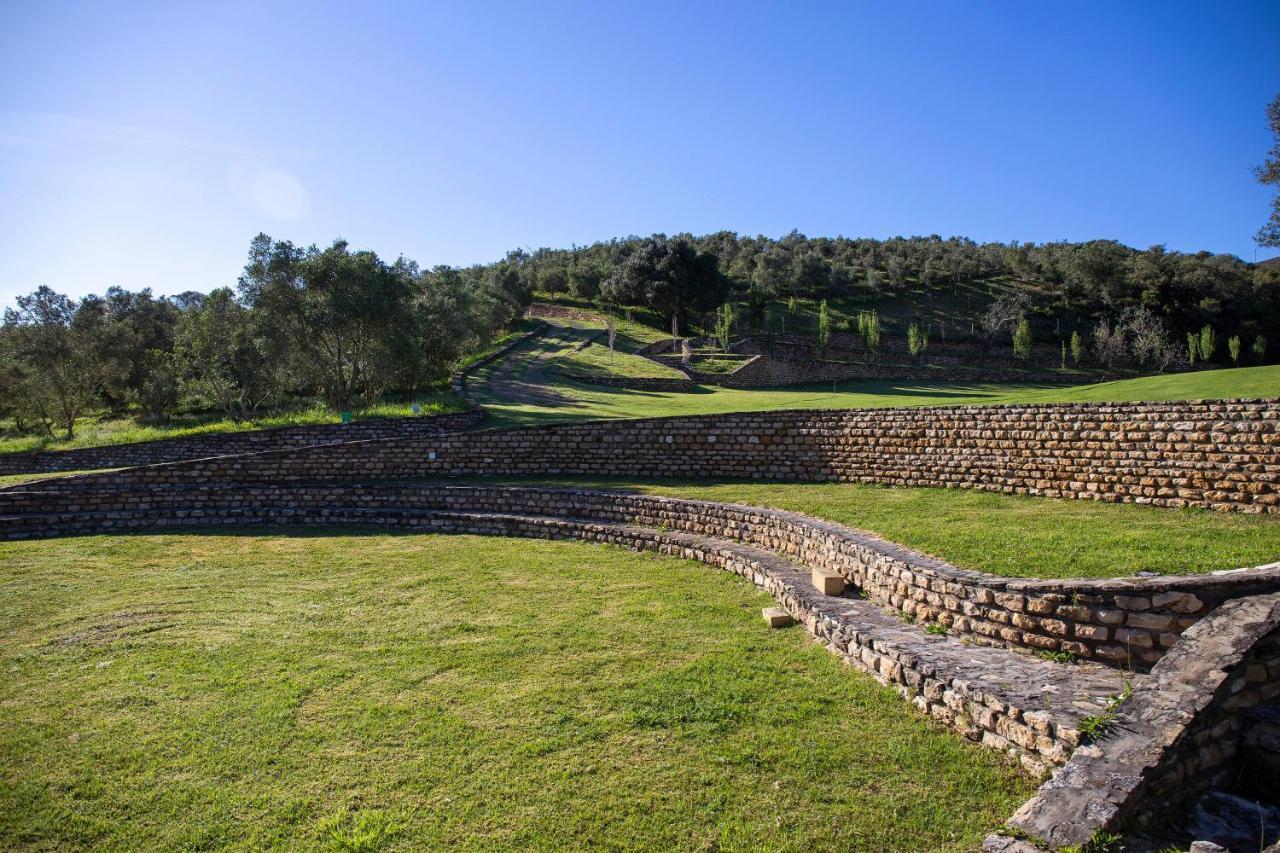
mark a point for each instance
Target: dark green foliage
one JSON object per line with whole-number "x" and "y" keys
{"x": 1022, "y": 344}
{"x": 1269, "y": 175}
{"x": 672, "y": 277}
{"x": 305, "y": 321}
{"x": 1060, "y": 287}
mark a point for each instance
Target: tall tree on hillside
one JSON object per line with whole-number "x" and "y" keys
{"x": 824, "y": 325}
{"x": 1269, "y": 175}
{"x": 224, "y": 359}
{"x": 53, "y": 346}
{"x": 670, "y": 276}
{"x": 1023, "y": 347}
{"x": 724, "y": 325}
{"x": 342, "y": 313}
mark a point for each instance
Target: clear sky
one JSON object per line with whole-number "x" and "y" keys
{"x": 145, "y": 144}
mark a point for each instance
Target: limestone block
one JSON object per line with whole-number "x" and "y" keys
{"x": 776, "y": 617}
{"x": 828, "y": 582}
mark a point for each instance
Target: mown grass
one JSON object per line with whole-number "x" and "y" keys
{"x": 1008, "y": 535}
{"x": 595, "y": 359}
{"x": 582, "y": 402}
{"x": 97, "y": 431}
{"x": 349, "y": 691}
{"x": 7, "y": 480}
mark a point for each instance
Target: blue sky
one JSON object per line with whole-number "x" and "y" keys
{"x": 145, "y": 144}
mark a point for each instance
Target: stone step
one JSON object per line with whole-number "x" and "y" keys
{"x": 827, "y": 581}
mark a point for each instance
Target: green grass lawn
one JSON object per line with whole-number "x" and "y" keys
{"x": 18, "y": 479}
{"x": 360, "y": 692}
{"x": 583, "y": 402}
{"x": 98, "y": 431}
{"x": 595, "y": 359}
{"x": 1006, "y": 535}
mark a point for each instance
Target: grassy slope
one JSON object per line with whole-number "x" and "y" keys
{"x": 595, "y": 359}
{"x": 1002, "y": 534}
{"x": 590, "y": 402}
{"x": 418, "y": 692}
{"x": 94, "y": 432}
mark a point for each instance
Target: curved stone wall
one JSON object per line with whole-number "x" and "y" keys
{"x": 1179, "y": 731}
{"x": 1222, "y": 455}
{"x": 1127, "y": 623}
{"x": 231, "y": 443}
{"x": 1019, "y": 704}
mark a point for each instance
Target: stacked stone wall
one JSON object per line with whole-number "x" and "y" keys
{"x": 1177, "y": 736}
{"x": 1127, "y": 623}
{"x": 1219, "y": 455}
{"x": 231, "y": 443}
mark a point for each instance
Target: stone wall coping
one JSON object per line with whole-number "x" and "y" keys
{"x": 1104, "y": 781}
{"x": 1172, "y": 406}
{"x": 1225, "y": 580}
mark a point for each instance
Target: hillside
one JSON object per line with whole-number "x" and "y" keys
{"x": 544, "y": 395}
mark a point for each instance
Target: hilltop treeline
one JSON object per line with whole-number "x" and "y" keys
{"x": 1074, "y": 284}
{"x": 348, "y": 326}
{"x": 341, "y": 324}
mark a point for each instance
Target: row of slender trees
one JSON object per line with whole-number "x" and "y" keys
{"x": 1066, "y": 286}
{"x": 341, "y": 324}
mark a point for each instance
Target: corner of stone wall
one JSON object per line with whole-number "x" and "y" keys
{"x": 1172, "y": 740}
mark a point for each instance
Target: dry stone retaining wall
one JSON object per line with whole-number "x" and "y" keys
{"x": 1177, "y": 736}
{"x": 1127, "y": 623}
{"x": 1223, "y": 455}
{"x": 1026, "y": 707}
{"x": 230, "y": 443}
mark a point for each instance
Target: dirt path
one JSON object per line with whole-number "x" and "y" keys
{"x": 521, "y": 377}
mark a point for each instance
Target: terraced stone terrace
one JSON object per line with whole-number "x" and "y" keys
{"x": 1105, "y": 676}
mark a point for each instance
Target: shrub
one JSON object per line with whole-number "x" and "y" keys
{"x": 1022, "y": 344}
{"x": 917, "y": 340}
{"x": 1208, "y": 343}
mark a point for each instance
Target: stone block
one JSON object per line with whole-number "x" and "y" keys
{"x": 776, "y": 617}
{"x": 828, "y": 582}
{"x": 1091, "y": 632}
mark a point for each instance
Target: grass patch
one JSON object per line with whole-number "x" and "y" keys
{"x": 595, "y": 359}
{"x": 573, "y": 401}
{"x": 1096, "y": 726}
{"x": 1009, "y": 535}
{"x": 358, "y": 692}
{"x": 100, "y": 431}
{"x": 718, "y": 363}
